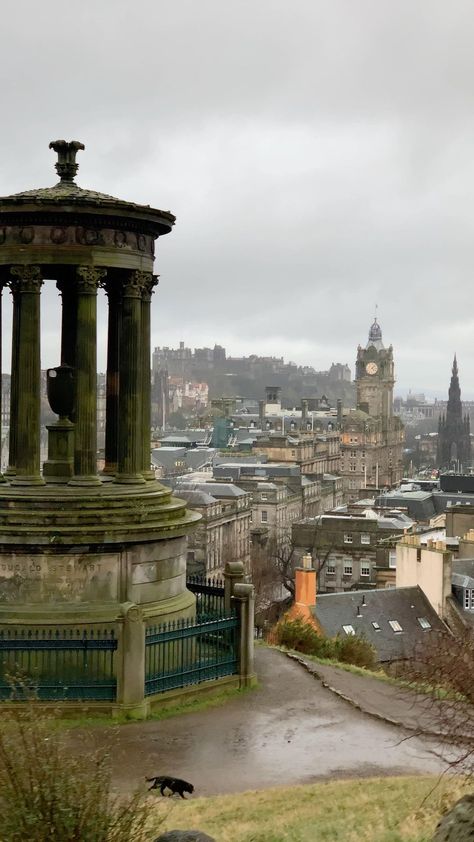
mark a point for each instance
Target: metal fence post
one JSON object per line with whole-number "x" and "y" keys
{"x": 131, "y": 662}
{"x": 244, "y": 599}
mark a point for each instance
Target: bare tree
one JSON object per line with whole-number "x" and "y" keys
{"x": 443, "y": 669}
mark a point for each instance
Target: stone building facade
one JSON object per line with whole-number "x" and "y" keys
{"x": 350, "y": 552}
{"x": 223, "y": 533}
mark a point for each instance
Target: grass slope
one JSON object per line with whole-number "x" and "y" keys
{"x": 372, "y": 810}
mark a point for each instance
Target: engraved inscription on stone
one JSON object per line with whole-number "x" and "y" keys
{"x": 64, "y": 578}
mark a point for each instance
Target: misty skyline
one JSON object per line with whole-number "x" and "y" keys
{"x": 318, "y": 158}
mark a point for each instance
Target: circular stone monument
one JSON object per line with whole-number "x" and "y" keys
{"x": 79, "y": 548}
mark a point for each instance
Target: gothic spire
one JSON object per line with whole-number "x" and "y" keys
{"x": 454, "y": 432}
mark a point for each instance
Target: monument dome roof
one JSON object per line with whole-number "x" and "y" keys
{"x": 68, "y": 196}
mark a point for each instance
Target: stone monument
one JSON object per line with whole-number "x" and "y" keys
{"x": 76, "y": 546}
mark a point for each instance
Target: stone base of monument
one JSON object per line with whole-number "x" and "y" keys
{"x": 100, "y": 564}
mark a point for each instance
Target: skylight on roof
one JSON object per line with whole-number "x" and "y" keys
{"x": 424, "y": 623}
{"x": 376, "y": 625}
{"x": 395, "y": 625}
{"x": 349, "y": 629}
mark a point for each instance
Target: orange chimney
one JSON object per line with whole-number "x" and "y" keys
{"x": 305, "y": 592}
{"x": 305, "y": 586}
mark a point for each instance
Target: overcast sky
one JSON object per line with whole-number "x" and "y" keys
{"x": 319, "y": 157}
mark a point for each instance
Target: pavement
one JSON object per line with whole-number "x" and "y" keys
{"x": 290, "y": 730}
{"x": 417, "y": 712}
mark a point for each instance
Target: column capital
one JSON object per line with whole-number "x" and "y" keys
{"x": 25, "y": 278}
{"x": 89, "y": 278}
{"x": 148, "y": 286}
{"x": 134, "y": 283}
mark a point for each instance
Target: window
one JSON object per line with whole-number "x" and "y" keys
{"x": 264, "y": 516}
{"x": 352, "y": 467}
{"x": 375, "y": 626}
{"x": 348, "y": 537}
{"x": 349, "y": 629}
{"x": 395, "y": 625}
{"x": 353, "y": 453}
{"x": 364, "y": 568}
{"x": 330, "y": 569}
{"x": 469, "y": 599}
{"x": 424, "y": 623}
{"x": 392, "y": 558}
{"x": 263, "y": 497}
{"x": 364, "y": 538}
{"x": 348, "y": 568}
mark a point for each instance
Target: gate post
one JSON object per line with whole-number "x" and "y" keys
{"x": 131, "y": 663}
{"x": 244, "y": 599}
{"x": 233, "y": 573}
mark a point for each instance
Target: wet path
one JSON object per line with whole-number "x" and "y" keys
{"x": 292, "y": 730}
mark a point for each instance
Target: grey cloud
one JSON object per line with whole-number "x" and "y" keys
{"x": 318, "y": 157}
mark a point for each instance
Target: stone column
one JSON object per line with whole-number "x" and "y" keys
{"x": 234, "y": 573}
{"x": 112, "y": 381}
{"x": 131, "y": 662}
{"x": 244, "y": 599}
{"x": 130, "y": 399}
{"x": 85, "y": 445}
{"x": 13, "y": 431}
{"x": 2, "y": 478}
{"x": 150, "y": 282}
{"x": 26, "y": 370}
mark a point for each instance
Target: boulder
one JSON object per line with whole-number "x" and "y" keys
{"x": 184, "y": 836}
{"x": 458, "y": 824}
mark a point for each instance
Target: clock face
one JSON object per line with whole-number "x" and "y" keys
{"x": 371, "y": 368}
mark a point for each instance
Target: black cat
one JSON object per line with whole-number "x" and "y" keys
{"x": 176, "y": 785}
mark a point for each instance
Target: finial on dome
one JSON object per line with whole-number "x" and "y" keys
{"x": 66, "y": 166}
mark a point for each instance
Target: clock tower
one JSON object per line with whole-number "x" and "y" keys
{"x": 375, "y": 377}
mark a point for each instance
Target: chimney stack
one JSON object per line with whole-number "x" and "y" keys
{"x": 305, "y": 584}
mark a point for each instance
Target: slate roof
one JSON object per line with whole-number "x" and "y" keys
{"x": 218, "y": 490}
{"x": 463, "y": 572}
{"x": 423, "y": 505}
{"x": 333, "y": 611}
{"x": 195, "y": 497}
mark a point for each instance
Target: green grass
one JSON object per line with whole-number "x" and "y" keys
{"x": 404, "y": 809}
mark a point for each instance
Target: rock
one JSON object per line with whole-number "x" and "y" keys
{"x": 458, "y": 824}
{"x": 184, "y": 836}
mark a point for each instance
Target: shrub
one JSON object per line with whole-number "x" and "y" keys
{"x": 301, "y": 636}
{"x": 355, "y": 650}
{"x": 46, "y": 793}
{"x": 298, "y": 635}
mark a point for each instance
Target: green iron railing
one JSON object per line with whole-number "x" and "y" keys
{"x": 76, "y": 664}
{"x": 190, "y": 651}
{"x": 209, "y": 592}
